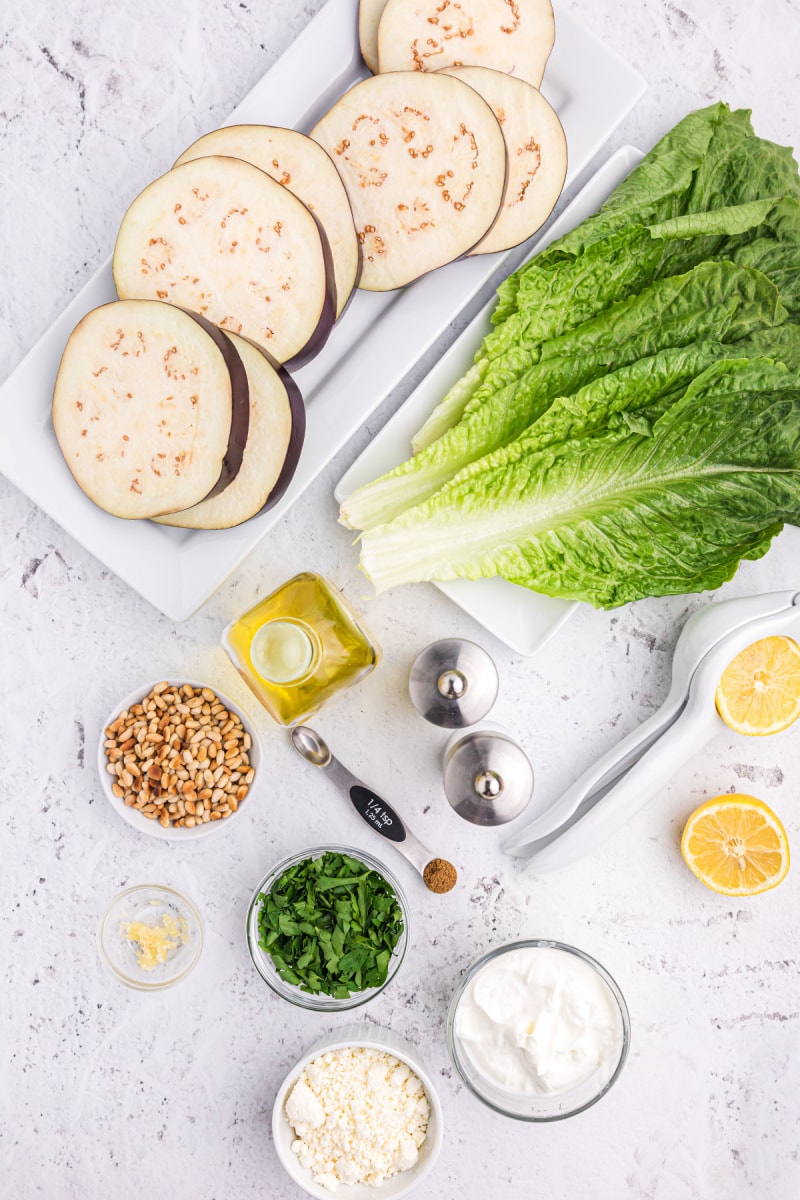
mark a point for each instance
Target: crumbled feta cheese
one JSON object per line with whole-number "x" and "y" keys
{"x": 359, "y": 1116}
{"x": 406, "y": 1155}
{"x": 303, "y": 1108}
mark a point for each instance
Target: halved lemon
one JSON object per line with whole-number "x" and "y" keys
{"x": 736, "y": 845}
{"x": 759, "y": 692}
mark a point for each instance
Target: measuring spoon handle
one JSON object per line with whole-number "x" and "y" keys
{"x": 378, "y": 814}
{"x": 368, "y": 804}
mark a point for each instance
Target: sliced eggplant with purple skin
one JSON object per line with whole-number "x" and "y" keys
{"x": 369, "y": 18}
{"x": 423, "y": 160}
{"x": 301, "y": 165}
{"x": 514, "y": 36}
{"x": 537, "y": 154}
{"x": 151, "y": 408}
{"x": 220, "y": 237}
{"x": 274, "y": 442}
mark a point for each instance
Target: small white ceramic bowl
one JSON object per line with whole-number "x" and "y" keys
{"x": 374, "y": 1037}
{"x": 133, "y": 816}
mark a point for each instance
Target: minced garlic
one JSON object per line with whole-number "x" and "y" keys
{"x": 154, "y": 942}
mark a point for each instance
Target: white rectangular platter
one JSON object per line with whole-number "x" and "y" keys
{"x": 377, "y": 341}
{"x": 520, "y": 618}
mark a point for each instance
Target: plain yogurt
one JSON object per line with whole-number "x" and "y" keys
{"x": 539, "y": 1021}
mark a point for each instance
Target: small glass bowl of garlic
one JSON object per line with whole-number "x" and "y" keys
{"x": 150, "y": 937}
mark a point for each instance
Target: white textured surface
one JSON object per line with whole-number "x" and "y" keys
{"x": 110, "y": 1093}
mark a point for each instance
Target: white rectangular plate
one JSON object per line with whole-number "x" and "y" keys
{"x": 520, "y": 618}
{"x": 378, "y": 340}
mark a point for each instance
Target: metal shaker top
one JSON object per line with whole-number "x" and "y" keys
{"x": 453, "y": 683}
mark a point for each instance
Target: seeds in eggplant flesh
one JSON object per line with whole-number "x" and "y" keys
{"x": 537, "y": 154}
{"x": 426, "y": 35}
{"x": 157, "y": 791}
{"x": 150, "y": 408}
{"x": 274, "y": 442}
{"x": 301, "y": 165}
{"x": 423, "y": 160}
{"x": 221, "y": 238}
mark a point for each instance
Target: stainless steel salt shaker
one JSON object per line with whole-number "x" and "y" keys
{"x": 488, "y": 778}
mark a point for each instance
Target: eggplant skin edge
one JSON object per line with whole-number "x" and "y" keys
{"x": 327, "y": 317}
{"x": 291, "y": 460}
{"x": 240, "y": 402}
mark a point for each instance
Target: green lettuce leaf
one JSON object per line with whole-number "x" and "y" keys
{"x": 653, "y": 190}
{"x": 550, "y": 303}
{"x": 709, "y": 160}
{"x": 634, "y": 396}
{"x": 618, "y": 516}
{"x": 764, "y": 234}
{"x": 714, "y": 300}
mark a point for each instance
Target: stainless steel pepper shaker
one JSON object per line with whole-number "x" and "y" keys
{"x": 488, "y": 778}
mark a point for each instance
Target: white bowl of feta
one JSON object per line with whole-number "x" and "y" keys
{"x": 359, "y": 1106}
{"x": 538, "y": 1030}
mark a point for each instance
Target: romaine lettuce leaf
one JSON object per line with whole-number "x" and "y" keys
{"x": 617, "y": 516}
{"x": 653, "y": 190}
{"x": 709, "y": 160}
{"x": 714, "y": 300}
{"x": 635, "y": 395}
{"x": 553, "y": 302}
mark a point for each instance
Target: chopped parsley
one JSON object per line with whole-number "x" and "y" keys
{"x": 330, "y": 924}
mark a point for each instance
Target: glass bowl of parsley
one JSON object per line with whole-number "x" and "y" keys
{"x": 327, "y": 928}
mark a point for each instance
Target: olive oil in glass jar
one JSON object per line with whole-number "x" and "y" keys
{"x": 300, "y": 646}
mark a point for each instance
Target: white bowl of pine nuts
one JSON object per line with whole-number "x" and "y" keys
{"x": 178, "y": 760}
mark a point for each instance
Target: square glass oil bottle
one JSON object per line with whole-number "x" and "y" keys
{"x": 300, "y": 646}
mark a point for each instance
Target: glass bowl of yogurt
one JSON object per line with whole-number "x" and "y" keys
{"x": 538, "y": 1030}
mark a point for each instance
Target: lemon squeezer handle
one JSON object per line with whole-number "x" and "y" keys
{"x": 645, "y": 779}
{"x": 599, "y": 778}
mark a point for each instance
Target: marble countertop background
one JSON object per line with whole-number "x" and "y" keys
{"x": 109, "y": 1093}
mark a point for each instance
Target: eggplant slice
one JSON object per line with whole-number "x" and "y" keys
{"x": 274, "y": 442}
{"x": 150, "y": 408}
{"x": 423, "y": 160}
{"x": 302, "y": 166}
{"x": 369, "y": 18}
{"x": 220, "y": 237}
{"x": 514, "y": 36}
{"x": 537, "y": 154}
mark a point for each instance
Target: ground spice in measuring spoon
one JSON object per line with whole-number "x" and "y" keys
{"x": 440, "y": 875}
